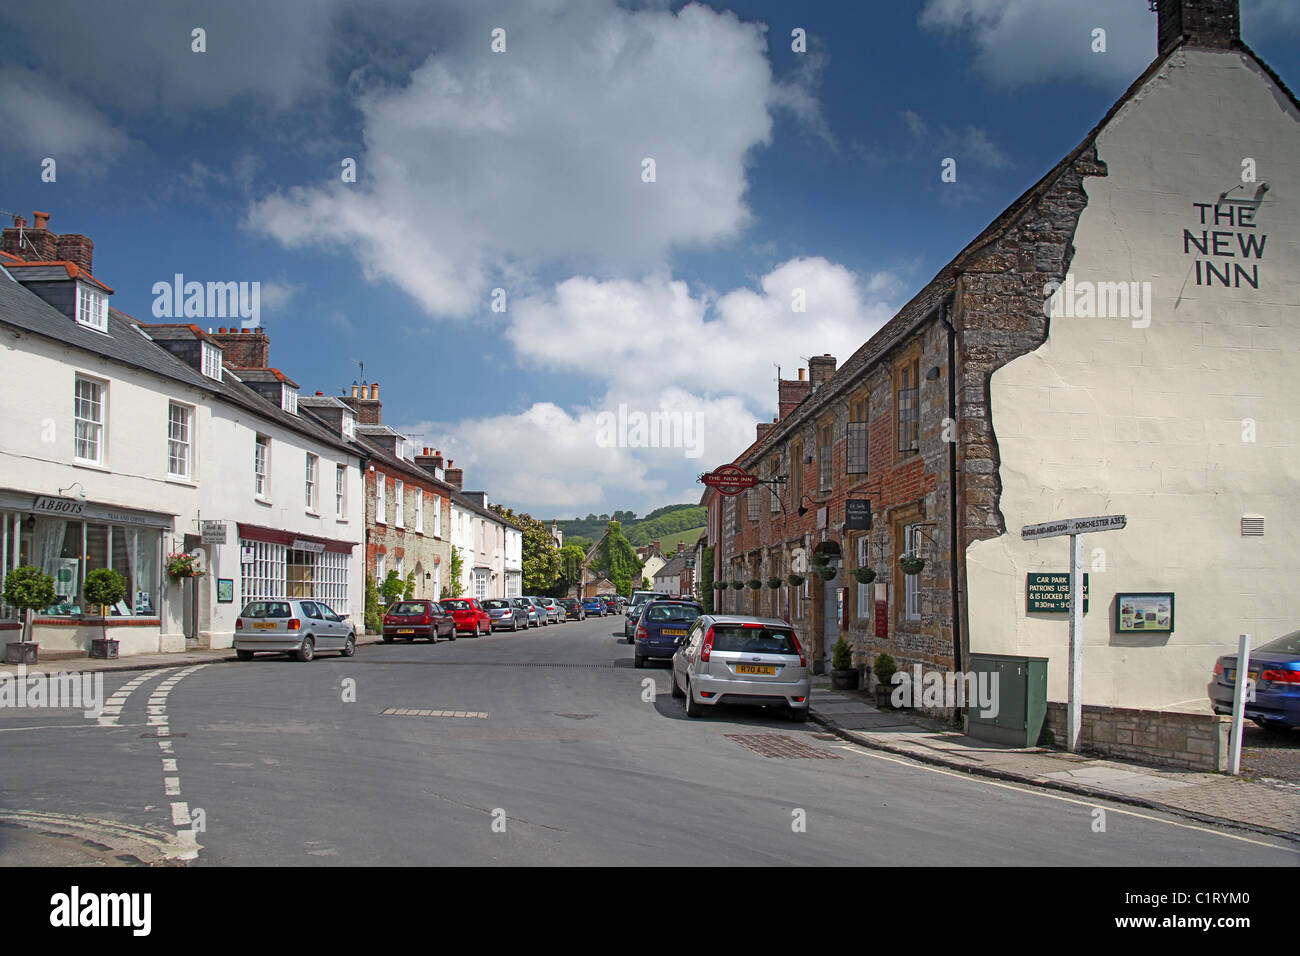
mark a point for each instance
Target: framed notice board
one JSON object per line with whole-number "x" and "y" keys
{"x": 1144, "y": 613}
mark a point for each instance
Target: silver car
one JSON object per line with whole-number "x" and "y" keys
{"x": 555, "y": 612}
{"x": 734, "y": 659}
{"x": 544, "y": 615}
{"x": 294, "y": 626}
{"x": 534, "y": 613}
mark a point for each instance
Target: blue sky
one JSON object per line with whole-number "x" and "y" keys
{"x": 522, "y": 170}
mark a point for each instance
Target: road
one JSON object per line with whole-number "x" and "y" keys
{"x": 292, "y": 764}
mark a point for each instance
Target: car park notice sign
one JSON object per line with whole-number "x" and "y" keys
{"x": 1050, "y": 593}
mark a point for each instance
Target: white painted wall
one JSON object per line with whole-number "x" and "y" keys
{"x": 1107, "y": 418}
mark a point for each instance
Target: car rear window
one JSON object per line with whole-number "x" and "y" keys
{"x": 1286, "y": 644}
{"x": 409, "y": 607}
{"x": 671, "y": 612}
{"x": 456, "y": 605}
{"x": 266, "y": 609}
{"x": 496, "y": 603}
{"x": 753, "y": 640}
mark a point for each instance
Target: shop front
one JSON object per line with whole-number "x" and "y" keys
{"x": 67, "y": 538}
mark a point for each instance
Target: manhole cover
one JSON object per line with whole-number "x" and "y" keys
{"x": 779, "y": 745}
{"x": 407, "y": 712}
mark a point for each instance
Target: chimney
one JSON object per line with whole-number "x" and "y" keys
{"x": 790, "y": 393}
{"x": 40, "y": 220}
{"x": 366, "y": 405}
{"x": 764, "y": 428}
{"x": 432, "y": 463}
{"x": 455, "y": 477}
{"x": 74, "y": 248}
{"x": 681, "y": 546}
{"x": 1205, "y": 23}
{"x": 821, "y": 368}
{"x": 656, "y": 546}
{"x": 246, "y": 348}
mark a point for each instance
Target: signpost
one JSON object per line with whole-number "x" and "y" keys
{"x": 1075, "y": 528}
{"x": 214, "y": 532}
{"x": 729, "y": 480}
{"x": 857, "y": 514}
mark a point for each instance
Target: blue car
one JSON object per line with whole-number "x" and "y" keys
{"x": 660, "y": 625}
{"x": 1275, "y": 668}
{"x": 594, "y": 606}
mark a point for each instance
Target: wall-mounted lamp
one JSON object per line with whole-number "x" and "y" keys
{"x": 80, "y": 495}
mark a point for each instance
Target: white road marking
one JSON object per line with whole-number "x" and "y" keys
{"x": 169, "y": 765}
{"x": 181, "y": 814}
{"x": 172, "y": 786}
{"x": 1108, "y": 807}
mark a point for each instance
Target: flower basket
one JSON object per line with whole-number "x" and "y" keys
{"x": 864, "y": 575}
{"x": 825, "y": 572}
{"x": 911, "y": 564}
{"x": 754, "y": 584}
{"x": 738, "y": 585}
{"x": 774, "y": 583}
{"x": 181, "y": 565}
{"x": 796, "y": 580}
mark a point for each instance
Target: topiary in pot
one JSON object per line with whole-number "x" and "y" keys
{"x": 864, "y": 575}
{"x": 844, "y": 676}
{"x": 104, "y": 587}
{"x": 885, "y": 668}
{"x": 28, "y": 589}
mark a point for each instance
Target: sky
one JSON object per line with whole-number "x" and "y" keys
{"x": 581, "y": 235}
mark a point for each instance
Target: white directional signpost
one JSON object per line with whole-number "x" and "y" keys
{"x": 1076, "y": 528}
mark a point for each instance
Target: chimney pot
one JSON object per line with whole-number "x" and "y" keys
{"x": 354, "y": 391}
{"x": 803, "y": 374}
{"x": 374, "y": 392}
{"x": 40, "y": 220}
{"x": 320, "y": 393}
{"x": 20, "y": 222}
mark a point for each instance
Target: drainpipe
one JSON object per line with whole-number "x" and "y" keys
{"x": 952, "y": 495}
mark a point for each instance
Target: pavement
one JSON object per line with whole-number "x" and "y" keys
{"x": 1270, "y": 807}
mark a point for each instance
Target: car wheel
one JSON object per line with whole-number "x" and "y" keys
{"x": 388, "y": 638}
{"x": 692, "y": 708}
{"x": 244, "y": 655}
{"x": 307, "y": 651}
{"x": 350, "y": 645}
{"x": 478, "y": 629}
{"x": 672, "y": 684}
{"x": 451, "y": 636}
{"x": 1273, "y": 726}
{"x": 799, "y": 715}
{"x": 638, "y": 660}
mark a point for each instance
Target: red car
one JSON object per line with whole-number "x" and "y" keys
{"x": 469, "y": 614}
{"x": 408, "y": 620}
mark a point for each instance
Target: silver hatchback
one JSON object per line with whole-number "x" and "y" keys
{"x": 294, "y": 626}
{"x": 733, "y": 659}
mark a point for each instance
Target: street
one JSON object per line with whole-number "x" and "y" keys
{"x": 558, "y": 761}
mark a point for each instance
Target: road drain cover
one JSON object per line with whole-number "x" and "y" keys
{"x": 779, "y": 745}
{"x": 408, "y": 712}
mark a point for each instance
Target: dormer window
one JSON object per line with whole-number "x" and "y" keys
{"x": 289, "y": 399}
{"x": 349, "y": 425}
{"x": 92, "y": 308}
{"x": 211, "y": 361}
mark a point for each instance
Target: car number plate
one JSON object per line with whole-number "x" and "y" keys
{"x": 406, "y": 630}
{"x": 755, "y": 669}
{"x": 264, "y": 627}
{"x": 1231, "y": 674}
{"x": 674, "y": 631}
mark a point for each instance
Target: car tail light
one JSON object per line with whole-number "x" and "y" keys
{"x": 798, "y": 649}
{"x": 641, "y": 632}
{"x": 388, "y": 619}
{"x": 294, "y": 624}
{"x": 1279, "y": 675}
{"x": 427, "y": 619}
{"x": 239, "y": 623}
{"x": 707, "y": 648}
{"x": 1218, "y": 668}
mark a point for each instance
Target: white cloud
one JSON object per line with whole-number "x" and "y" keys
{"x": 1022, "y": 42}
{"x": 482, "y": 166}
{"x": 44, "y": 119}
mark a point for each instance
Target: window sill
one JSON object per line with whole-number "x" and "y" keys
{"x": 178, "y": 480}
{"x": 262, "y": 501}
{"x": 90, "y": 465}
{"x": 309, "y": 512}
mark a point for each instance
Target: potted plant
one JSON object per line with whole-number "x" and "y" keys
{"x": 796, "y": 580}
{"x": 104, "y": 587}
{"x": 885, "y": 668}
{"x": 738, "y": 585}
{"x": 844, "y": 676}
{"x": 911, "y": 564}
{"x": 824, "y": 571}
{"x": 774, "y": 583}
{"x": 29, "y": 589}
{"x": 864, "y": 575}
{"x": 754, "y": 584}
{"x": 181, "y": 566}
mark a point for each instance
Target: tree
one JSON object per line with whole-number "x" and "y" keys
{"x": 618, "y": 561}
{"x": 104, "y": 586}
{"x": 374, "y": 613}
{"x": 392, "y": 588}
{"x": 453, "y": 588}
{"x": 571, "y": 558}
{"x": 706, "y": 581}
{"x": 408, "y": 592}
{"x": 541, "y": 558}
{"x": 29, "y": 589}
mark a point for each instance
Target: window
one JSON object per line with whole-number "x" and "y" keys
{"x": 825, "y": 461}
{"x": 909, "y": 410}
{"x": 349, "y": 425}
{"x": 911, "y": 589}
{"x": 751, "y": 500}
{"x": 92, "y": 308}
{"x": 289, "y": 399}
{"x": 796, "y": 477}
{"x": 419, "y": 510}
{"x": 89, "y": 412}
{"x": 381, "y": 568}
{"x": 774, "y": 499}
{"x": 178, "y": 440}
{"x": 399, "y": 502}
{"x": 856, "y": 434}
{"x": 437, "y": 517}
{"x": 381, "y": 508}
{"x": 312, "y": 462}
{"x": 735, "y": 511}
{"x": 340, "y": 491}
{"x": 480, "y": 584}
{"x": 864, "y": 590}
{"x": 399, "y": 565}
{"x": 261, "y": 466}
{"x": 211, "y": 361}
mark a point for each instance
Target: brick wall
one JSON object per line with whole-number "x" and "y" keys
{"x": 1190, "y": 741}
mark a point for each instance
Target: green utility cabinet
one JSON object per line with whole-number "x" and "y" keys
{"x": 1021, "y": 699}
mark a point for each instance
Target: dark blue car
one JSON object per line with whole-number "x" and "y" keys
{"x": 660, "y": 625}
{"x": 1275, "y": 668}
{"x": 594, "y": 606}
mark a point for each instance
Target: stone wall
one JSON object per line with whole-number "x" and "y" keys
{"x": 1189, "y": 741}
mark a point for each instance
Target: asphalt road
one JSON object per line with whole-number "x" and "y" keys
{"x": 296, "y": 764}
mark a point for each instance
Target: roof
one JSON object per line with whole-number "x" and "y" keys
{"x": 469, "y": 505}
{"x": 263, "y": 375}
{"x": 675, "y": 565}
{"x": 377, "y": 454}
{"x": 53, "y": 270}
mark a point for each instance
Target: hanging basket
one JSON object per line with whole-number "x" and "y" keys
{"x": 754, "y": 584}
{"x": 181, "y": 566}
{"x": 774, "y": 583}
{"x": 737, "y": 585}
{"x": 911, "y": 564}
{"x": 825, "y": 572}
{"x": 864, "y": 575}
{"x": 796, "y": 580}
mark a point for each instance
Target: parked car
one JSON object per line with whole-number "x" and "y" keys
{"x": 1275, "y": 669}
{"x": 421, "y": 618}
{"x": 469, "y": 614}
{"x": 554, "y": 612}
{"x": 634, "y": 610}
{"x": 734, "y": 659}
{"x": 659, "y": 626}
{"x": 292, "y": 626}
{"x": 535, "y": 616}
{"x": 505, "y": 614}
{"x": 594, "y": 606}
{"x": 544, "y": 615}
{"x": 611, "y": 606}
{"x": 573, "y": 609}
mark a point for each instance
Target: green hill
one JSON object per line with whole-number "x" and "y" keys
{"x": 669, "y": 523}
